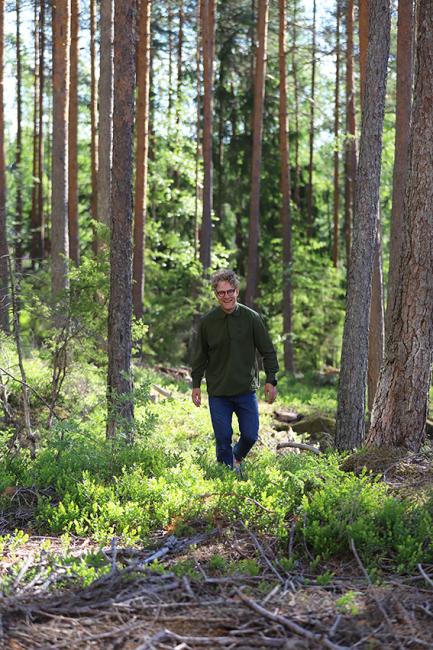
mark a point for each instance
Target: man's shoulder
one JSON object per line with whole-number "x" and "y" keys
{"x": 247, "y": 312}
{"x": 211, "y": 315}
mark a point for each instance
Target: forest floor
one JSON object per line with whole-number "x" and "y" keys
{"x": 223, "y": 586}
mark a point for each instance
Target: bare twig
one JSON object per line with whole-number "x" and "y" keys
{"x": 424, "y": 575}
{"x": 262, "y": 552}
{"x": 290, "y": 625}
{"x": 370, "y": 585}
{"x": 30, "y": 438}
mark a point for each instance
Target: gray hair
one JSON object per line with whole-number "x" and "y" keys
{"x": 225, "y": 275}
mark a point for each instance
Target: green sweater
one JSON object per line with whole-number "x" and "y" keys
{"x": 226, "y": 352}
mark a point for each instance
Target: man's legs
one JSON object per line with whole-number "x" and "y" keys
{"x": 247, "y": 411}
{"x": 221, "y": 412}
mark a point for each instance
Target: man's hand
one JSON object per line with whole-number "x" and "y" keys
{"x": 196, "y": 396}
{"x": 270, "y": 393}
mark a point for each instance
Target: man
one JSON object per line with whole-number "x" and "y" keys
{"x": 228, "y": 338}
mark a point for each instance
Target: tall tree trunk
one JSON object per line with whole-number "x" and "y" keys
{"x": 180, "y": 38}
{"x": 40, "y": 198}
{"x": 93, "y": 122}
{"x": 198, "y": 180}
{"x": 105, "y": 112}
{"x": 19, "y": 145}
{"x": 294, "y": 67}
{"x": 336, "y": 230}
{"x": 311, "y": 134}
{"x": 119, "y": 380}
{"x": 259, "y": 97}
{"x": 4, "y": 273}
{"x": 74, "y": 240}
{"x": 208, "y": 39}
{"x": 143, "y": 70}
{"x": 402, "y": 134}
{"x": 350, "y": 426}
{"x": 350, "y": 153}
{"x": 400, "y": 407}
{"x": 34, "y": 217}
{"x": 286, "y": 216}
{"x": 170, "y": 62}
{"x": 59, "y": 209}
{"x": 376, "y": 334}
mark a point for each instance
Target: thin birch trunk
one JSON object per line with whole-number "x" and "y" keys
{"x": 4, "y": 272}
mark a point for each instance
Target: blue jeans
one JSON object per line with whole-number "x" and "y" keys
{"x": 221, "y": 410}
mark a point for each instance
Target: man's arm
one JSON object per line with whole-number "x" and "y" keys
{"x": 199, "y": 364}
{"x": 266, "y": 349}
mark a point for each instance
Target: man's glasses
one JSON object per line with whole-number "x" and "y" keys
{"x": 230, "y": 293}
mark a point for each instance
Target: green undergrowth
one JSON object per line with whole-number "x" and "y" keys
{"x": 169, "y": 481}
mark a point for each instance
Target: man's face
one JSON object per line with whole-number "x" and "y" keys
{"x": 227, "y": 296}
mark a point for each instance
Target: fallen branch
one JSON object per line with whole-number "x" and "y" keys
{"x": 290, "y": 625}
{"x": 424, "y": 575}
{"x": 299, "y": 445}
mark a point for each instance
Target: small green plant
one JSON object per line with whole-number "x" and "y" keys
{"x": 248, "y": 567}
{"x": 218, "y": 563}
{"x": 186, "y": 568}
{"x": 347, "y": 603}
{"x": 325, "y": 578}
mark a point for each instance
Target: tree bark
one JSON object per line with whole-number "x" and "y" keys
{"x": 286, "y": 215}
{"x": 34, "y": 217}
{"x": 59, "y": 210}
{"x": 294, "y": 67}
{"x": 105, "y": 112}
{"x": 74, "y": 241}
{"x": 259, "y": 97}
{"x": 402, "y": 134}
{"x": 119, "y": 381}
{"x": 19, "y": 145}
{"x": 4, "y": 273}
{"x": 336, "y": 233}
{"x": 40, "y": 198}
{"x": 180, "y": 38}
{"x": 350, "y": 153}
{"x": 350, "y": 425}
{"x": 311, "y": 134}
{"x": 142, "y": 129}
{"x": 208, "y": 40}
{"x": 93, "y": 123}
{"x": 400, "y": 407}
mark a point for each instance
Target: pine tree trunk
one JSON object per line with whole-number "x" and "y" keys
{"x": 35, "y": 161}
{"x": 400, "y": 407}
{"x": 208, "y": 39}
{"x": 336, "y": 232}
{"x": 19, "y": 145}
{"x": 105, "y": 112}
{"x": 143, "y": 69}
{"x": 198, "y": 155}
{"x": 402, "y": 134}
{"x": 286, "y": 216}
{"x": 294, "y": 67}
{"x": 59, "y": 210}
{"x": 120, "y": 402}
{"x": 350, "y": 153}
{"x": 259, "y": 97}
{"x": 180, "y": 38}
{"x": 311, "y": 134}
{"x": 4, "y": 273}
{"x": 350, "y": 426}
{"x": 93, "y": 122}
{"x": 376, "y": 328}
{"x": 40, "y": 197}
{"x": 74, "y": 241}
